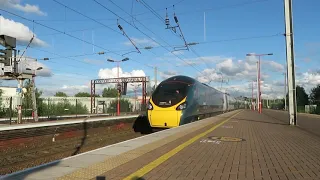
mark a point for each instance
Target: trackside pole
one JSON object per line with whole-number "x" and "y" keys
{"x": 290, "y": 62}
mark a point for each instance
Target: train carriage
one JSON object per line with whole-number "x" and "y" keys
{"x": 180, "y": 100}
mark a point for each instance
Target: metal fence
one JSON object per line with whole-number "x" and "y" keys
{"x": 54, "y": 108}
{"x": 278, "y": 104}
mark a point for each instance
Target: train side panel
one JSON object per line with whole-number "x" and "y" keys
{"x": 201, "y": 99}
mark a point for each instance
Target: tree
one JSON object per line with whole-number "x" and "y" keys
{"x": 82, "y": 94}
{"x": 2, "y": 110}
{"x": 110, "y": 92}
{"x": 1, "y": 92}
{"x": 302, "y": 97}
{"x": 60, "y": 94}
{"x": 66, "y": 108}
{"x": 85, "y": 94}
{"x": 125, "y": 106}
{"x": 315, "y": 95}
{"x": 27, "y": 99}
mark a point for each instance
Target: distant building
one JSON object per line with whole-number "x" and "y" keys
{"x": 8, "y": 91}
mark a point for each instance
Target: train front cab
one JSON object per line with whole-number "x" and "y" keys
{"x": 166, "y": 105}
{"x": 164, "y": 117}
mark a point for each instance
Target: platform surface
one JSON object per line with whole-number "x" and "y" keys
{"x": 8, "y": 127}
{"x": 237, "y": 145}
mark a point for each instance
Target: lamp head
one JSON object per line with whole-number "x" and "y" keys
{"x": 125, "y": 59}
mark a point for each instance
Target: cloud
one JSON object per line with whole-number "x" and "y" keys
{"x": 240, "y": 69}
{"x": 278, "y": 83}
{"x": 266, "y": 64}
{"x": 27, "y": 8}
{"x": 209, "y": 75}
{"x": 142, "y": 42}
{"x": 273, "y": 66}
{"x": 18, "y": 30}
{"x": 229, "y": 68}
{"x": 309, "y": 80}
{"x": 201, "y": 60}
{"x": 233, "y": 69}
{"x": 33, "y": 65}
{"x": 167, "y": 74}
{"x": 268, "y": 90}
{"x": 72, "y": 84}
{"x": 112, "y": 73}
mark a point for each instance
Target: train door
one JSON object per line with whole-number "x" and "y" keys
{"x": 225, "y": 102}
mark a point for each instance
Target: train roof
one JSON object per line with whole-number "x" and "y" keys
{"x": 186, "y": 79}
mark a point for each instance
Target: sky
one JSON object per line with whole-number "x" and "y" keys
{"x": 71, "y": 34}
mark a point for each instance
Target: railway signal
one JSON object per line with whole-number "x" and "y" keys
{"x": 119, "y": 85}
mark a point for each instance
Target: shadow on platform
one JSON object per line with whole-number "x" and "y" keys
{"x": 286, "y": 117}
{"x": 305, "y": 123}
{"x": 257, "y": 121}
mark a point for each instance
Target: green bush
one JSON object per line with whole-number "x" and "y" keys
{"x": 49, "y": 108}
{"x": 315, "y": 110}
{"x": 63, "y": 108}
{"x": 125, "y": 106}
{"x": 301, "y": 109}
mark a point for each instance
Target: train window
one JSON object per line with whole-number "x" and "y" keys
{"x": 169, "y": 94}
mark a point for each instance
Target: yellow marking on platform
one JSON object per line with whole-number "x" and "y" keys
{"x": 141, "y": 172}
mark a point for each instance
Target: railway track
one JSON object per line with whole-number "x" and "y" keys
{"x": 18, "y": 152}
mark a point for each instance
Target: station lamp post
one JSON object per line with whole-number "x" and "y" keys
{"x": 118, "y": 66}
{"x": 259, "y": 77}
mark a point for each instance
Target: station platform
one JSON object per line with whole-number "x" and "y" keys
{"x": 237, "y": 145}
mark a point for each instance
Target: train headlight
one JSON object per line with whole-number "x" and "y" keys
{"x": 150, "y": 107}
{"x": 182, "y": 106}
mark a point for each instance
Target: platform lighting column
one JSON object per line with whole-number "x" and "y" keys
{"x": 258, "y": 100}
{"x": 259, "y": 77}
{"x": 20, "y": 86}
{"x": 252, "y": 98}
{"x": 118, "y": 104}
{"x": 118, "y": 76}
{"x": 259, "y": 85}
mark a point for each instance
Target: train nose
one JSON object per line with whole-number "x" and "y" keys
{"x": 164, "y": 118}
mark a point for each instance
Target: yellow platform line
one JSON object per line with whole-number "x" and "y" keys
{"x": 141, "y": 172}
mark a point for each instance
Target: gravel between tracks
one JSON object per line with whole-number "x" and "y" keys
{"x": 35, "y": 153}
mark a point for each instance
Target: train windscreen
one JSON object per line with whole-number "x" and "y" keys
{"x": 169, "y": 93}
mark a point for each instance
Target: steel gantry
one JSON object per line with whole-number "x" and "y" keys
{"x": 123, "y": 81}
